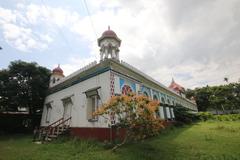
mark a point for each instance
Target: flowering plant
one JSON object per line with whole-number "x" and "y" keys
{"x": 135, "y": 113}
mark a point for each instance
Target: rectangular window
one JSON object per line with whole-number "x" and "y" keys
{"x": 48, "y": 112}
{"x": 93, "y": 103}
{"x": 67, "y": 107}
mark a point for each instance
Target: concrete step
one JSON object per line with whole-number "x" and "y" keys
{"x": 48, "y": 139}
{"x": 52, "y": 136}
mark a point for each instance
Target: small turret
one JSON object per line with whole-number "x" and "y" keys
{"x": 109, "y": 44}
{"x": 57, "y": 74}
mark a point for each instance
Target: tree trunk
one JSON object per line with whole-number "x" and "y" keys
{"x": 123, "y": 142}
{"x": 223, "y": 109}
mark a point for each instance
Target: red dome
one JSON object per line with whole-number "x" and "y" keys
{"x": 109, "y": 33}
{"x": 58, "y": 70}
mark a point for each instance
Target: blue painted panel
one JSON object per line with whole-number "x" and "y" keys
{"x": 129, "y": 83}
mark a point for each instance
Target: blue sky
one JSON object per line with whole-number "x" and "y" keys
{"x": 196, "y": 42}
{"x": 63, "y": 44}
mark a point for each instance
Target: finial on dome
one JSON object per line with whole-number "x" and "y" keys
{"x": 173, "y": 80}
{"x": 108, "y": 27}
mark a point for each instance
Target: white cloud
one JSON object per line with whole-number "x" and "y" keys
{"x": 196, "y": 42}
{"x": 74, "y": 64}
{"x": 7, "y": 15}
{"x": 27, "y": 27}
{"x": 20, "y": 37}
{"x": 46, "y": 37}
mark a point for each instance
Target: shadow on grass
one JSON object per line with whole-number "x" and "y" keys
{"x": 180, "y": 144}
{"x": 154, "y": 148}
{"x": 174, "y": 143}
{"x": 15, "y": 137}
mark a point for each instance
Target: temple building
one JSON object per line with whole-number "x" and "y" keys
{"x": 71, "y": 100}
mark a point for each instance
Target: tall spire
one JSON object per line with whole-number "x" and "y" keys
{"x": 173, "y": 80}
{"x": 108, "y": 27}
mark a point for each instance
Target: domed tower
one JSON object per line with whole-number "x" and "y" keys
{"x": 57, "y": 74}
{"x": 109, "y": 44}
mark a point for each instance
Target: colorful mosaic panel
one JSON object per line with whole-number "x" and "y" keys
{"x": 127, "y": 86}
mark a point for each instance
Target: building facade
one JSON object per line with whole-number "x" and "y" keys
{"x": 81, "y": 93}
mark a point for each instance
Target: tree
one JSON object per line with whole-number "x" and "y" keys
{"x": 203, "y": 98}
{"x": 222, "y": 97}
{"x": 134, "y": 113}
{"x": 23, "y": 85}
{"x": 225, "y": 79}
{"x": 189, "y": 93}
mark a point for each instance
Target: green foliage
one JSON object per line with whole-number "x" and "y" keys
{"x": 204, "y": 116}
{"x": 185, "y": 115}
{"x": 23, "y": 85}
{"x": 223, "y": 97}
{"x": 202, "y": 141}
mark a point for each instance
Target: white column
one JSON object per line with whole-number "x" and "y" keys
{"x": 168, "y": 112}
{"x": 106, "y": 52}
{"x": 161, "y": 113}
{"x": 117, "y": 53}
{"x": 173, "y": 116}
{"x": 101, "y": 55}
{"x": 113, "y": 53}
{"x": 151, "y": 92}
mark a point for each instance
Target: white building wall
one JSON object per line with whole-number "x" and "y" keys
{"x": 79, "y": 108}
{"x": 117, "y": 89}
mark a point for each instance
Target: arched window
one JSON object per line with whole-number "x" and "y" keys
{"x": 53, "y": 80}
{"x": 157, "y": 110}
{"x": 110, "y": 49}
{"x": 145, "y": 93}
{"x": 162, "y": 100}
{"x": 155, "y": 97}
{"x": 168, "y": 101}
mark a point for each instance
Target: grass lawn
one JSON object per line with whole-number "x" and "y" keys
{"x": 205, "y": 140}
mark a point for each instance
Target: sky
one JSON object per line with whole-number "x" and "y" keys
{"x": 195, "y": 42}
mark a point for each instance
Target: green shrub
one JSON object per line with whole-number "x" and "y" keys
{"x": 204, "y": 116}
{"x": 184, "y": 115}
